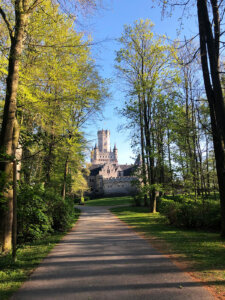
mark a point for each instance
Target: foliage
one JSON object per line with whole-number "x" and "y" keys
{"x": 59, "y": 89}
{"x": 61, "y": 211}
{"x": 146, "y": 62}
{"x": 167, "y": 115}
{"x": 192, "y": 214}
{"x": 33, "y": 219}
{"x": 41, "y": 212}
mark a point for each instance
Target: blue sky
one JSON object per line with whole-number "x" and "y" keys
{"x": 105, "y": 27}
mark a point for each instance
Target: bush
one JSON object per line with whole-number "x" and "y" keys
{"x": 61, "y": 211}
{"x": 190, "y": 214}
{"x": 33, "y": 218}
{"x": 42, "y": 211}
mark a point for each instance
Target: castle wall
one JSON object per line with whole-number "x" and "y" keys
{"x": 109, "y": 171}
{"x": 104, "y": 157}
{"x": 120, "y": 186}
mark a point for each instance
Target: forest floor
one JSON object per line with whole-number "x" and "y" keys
{"x": 103, "y": 259}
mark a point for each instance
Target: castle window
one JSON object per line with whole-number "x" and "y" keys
{"x": 108, "y": 171}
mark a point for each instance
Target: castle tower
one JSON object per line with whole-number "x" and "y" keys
{"x": 102, "y": 152}
{"x": 104, "y": 140}
{"x": 115, "y": 151}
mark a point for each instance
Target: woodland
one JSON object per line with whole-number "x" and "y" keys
{"x": 50, "y": 87}
{"x": 176, "y": 115}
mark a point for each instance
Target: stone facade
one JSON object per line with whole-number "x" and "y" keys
{"x": 107, "y": 177}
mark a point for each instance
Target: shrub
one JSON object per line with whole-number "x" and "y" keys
{"x": 60, "y": 211}
{"x": 190, "y": 214}
{"x": 42, "y": 211}
{"x": 33, "y": 218}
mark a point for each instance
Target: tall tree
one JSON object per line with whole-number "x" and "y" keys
{"x": 16, "y": 16}
{"x": 144, "y": 62}
{"x": 210, "y": 16}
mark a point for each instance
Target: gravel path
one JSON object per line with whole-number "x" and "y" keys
{"x": 101, "y": 259}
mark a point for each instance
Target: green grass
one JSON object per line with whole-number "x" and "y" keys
{"x": 12, "y": 275}
{"x": 203, "y": 252}
{"x": 113, "y": 201}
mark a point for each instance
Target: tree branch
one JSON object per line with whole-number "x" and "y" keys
{"x": 2, "y": 13}
{"x": 34, "y": 5}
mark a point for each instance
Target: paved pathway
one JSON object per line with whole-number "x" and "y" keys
{"x": 102, "y": 259}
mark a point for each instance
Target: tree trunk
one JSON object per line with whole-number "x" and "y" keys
{"x": 207, "y": 164}
{"x": 14, "y": 224}
{"x": 64, "y": 179}
{"x": 209, "y": 47}
{"x": 9, "y": 116}
{"x": 143, "y": 163}
{"x": 169, "y": 158}
{"x": 9, "y": 209}
{"x": 152, "y": 181}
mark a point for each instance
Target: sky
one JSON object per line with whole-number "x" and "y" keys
{"x": 105, "y": 26}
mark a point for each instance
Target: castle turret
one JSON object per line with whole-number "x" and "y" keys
{"x": 115, "y": 151}
{"x": 95, "y": 154}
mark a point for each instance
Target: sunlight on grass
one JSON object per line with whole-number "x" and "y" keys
{"x": 113, "y": 201}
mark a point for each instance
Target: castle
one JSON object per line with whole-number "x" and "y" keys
{"x": 103, "y": 153}
{"x": 107, "y": 177}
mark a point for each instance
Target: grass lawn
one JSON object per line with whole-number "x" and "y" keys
{"x": 113, "y": 201}
{"x": 200, "y": 253}
{"x": 12, "y": 275}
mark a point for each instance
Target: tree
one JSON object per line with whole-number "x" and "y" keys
{"x": 210, "y": 15}
{"x": 146, "y": 63}
{"x": 16, "y": 16}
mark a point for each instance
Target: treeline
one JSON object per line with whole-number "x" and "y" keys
{"x": 52, "y": 87}
{"x": 168, "y": 117}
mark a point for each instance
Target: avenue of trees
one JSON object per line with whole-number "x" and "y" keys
{"x": 49, "y": 88}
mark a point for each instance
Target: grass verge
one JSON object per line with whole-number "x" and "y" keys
{"x": 113, "y": 201}
{"x": 12, "y": 275}
{"x": 202, "y": 254}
